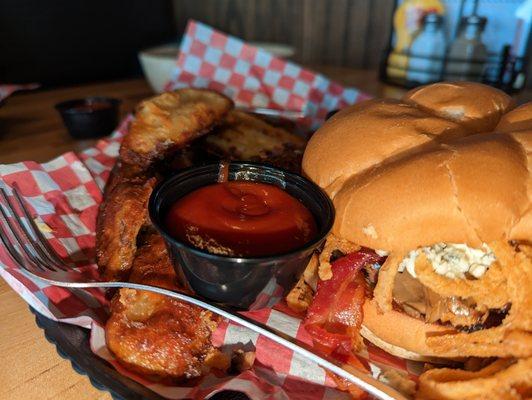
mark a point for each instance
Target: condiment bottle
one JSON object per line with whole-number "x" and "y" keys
{"x": 427, "y": 51}
{"x": 467, "y": 54}
{"x": 407, "y": 21}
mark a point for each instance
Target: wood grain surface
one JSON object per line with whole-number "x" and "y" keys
{"x": 30, "y": 129}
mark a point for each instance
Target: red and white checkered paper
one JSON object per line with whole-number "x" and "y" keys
{"x": 253, "y": 77}
{"x": 64, "y": 195}
{"x": 9, "y": 89}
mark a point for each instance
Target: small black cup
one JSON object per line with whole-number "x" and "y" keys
{"x": 240, "y": 282}
{"x": 89, "y": 117}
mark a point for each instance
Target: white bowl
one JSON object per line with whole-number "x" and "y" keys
{"x": 158, "y": 63}
{"x": 277, "y": 49}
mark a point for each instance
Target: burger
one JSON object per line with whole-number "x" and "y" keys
{"x": 429, "y": 256}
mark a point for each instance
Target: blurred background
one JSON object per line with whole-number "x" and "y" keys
{"x": 61, "y": 42}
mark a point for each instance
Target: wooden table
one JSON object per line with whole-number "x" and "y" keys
{"x": 30, "y": 129}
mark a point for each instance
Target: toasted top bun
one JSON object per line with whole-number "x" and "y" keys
{"x": 476, "y": 106}
{"x": 472, "y": 190}
{"x": 519, "y": 119}
{"x": 401, "y": 177}
{"x": 352, "y": 140}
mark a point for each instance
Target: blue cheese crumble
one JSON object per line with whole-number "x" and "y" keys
{"x": 452, "y": 260}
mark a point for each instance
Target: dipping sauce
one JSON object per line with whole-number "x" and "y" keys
{"x": 241, "y": 218}
{"x": 90, "y": 106}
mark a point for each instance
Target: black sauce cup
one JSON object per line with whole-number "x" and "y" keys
{"x": 84, "y": 120}
{"x": 241, "y": 282}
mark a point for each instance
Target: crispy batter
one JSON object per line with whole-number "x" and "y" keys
{"x": 155, "y": 335}
{"x": 300, "y": 297}
{"x": 399, "y": 380}
{"x": 171, "y": 120}
{"x": 215, "y": 359}
{"x": 493, "y": 342}
{"x": 310, "y": 274}
{"x": 245, "y": 137}
{"x": 333, "y": 243}
{"x": 243, "y": 360}
{"x": 383, "y": 292}
{"x": 504, "y": 379}
{"x": 121, "y": 216}
{"x": 152, "y": 265}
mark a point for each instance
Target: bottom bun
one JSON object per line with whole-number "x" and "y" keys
{"x": 400, "y": 334}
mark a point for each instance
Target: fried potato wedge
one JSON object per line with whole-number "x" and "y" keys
{"x": 122, "y": 214}
{"x": 243, "y": 136}
{"x": 152, "y": 334}
{"x": 170, "y": 121}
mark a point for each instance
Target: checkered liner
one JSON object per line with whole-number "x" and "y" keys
{"x": 64, "y": 195}
{"x": 252, "y": 77}
{"x": 8, "y": 90}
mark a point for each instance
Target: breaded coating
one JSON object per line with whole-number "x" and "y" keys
{"x": 504, "y": 379}
{"x": 170, "y": 121}
{"x": 122, "y": 214}
{"x": 152, "y": 334}
{"x": 246, "y": 137}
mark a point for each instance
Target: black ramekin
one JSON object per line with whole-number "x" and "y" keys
{"x": 240, "y": 282}
{"x": 89, "y": 123}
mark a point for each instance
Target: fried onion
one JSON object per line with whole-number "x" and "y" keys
{"x": 503, "y": 379}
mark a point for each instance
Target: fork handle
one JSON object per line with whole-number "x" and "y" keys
{"x": 362, "y": 380}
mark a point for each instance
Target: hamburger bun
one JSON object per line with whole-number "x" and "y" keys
{"x": 519, "y": 119}
{"x": 399, "y": 334}
{"x": 473, "y": 105}
{"x": 353, "y": 139}
{"x": 471, "y": 190}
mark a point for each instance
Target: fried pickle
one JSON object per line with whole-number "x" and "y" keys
{"x": 155, "y": 335}
{"x": 170, "y": 121}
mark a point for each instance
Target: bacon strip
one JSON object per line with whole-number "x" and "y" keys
{"x": 335, "y": 315}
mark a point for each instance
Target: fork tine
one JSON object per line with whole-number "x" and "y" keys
{"x": 40, "y": 242}
{"x": 7, "y": 238}
{"x": 7, "y": 243}
{"x": 19, "y": 231}
{"x": 12, "y": 234}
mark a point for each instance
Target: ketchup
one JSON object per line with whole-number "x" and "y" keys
{"x": 241, "y": 218}
{"x": 91, "y": 106}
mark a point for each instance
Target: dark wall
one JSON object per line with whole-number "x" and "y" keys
{"x": 349, "y": 33}
{"x": 59, "y": 42}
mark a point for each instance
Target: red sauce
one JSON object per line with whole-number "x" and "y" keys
{"x": 91, "y": 106}
{"x": 241, "y": 218}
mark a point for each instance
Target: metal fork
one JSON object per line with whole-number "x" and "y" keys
{"x": 31, "y": 251}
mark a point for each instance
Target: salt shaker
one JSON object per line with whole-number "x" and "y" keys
{"x": 467, "y": 54}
